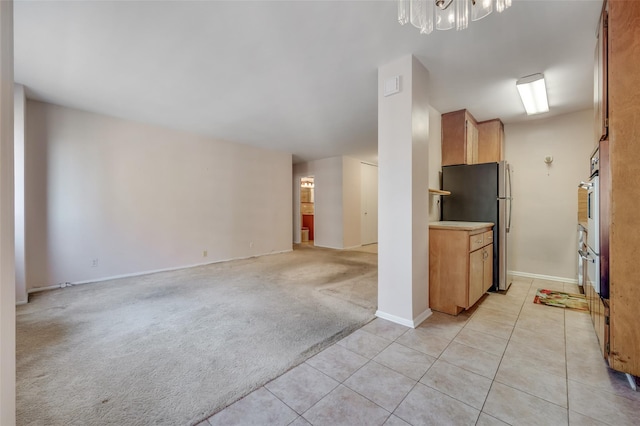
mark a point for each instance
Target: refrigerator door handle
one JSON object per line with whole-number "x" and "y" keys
{"x": 585, "y": 256}
{"x": 509, "y": 197}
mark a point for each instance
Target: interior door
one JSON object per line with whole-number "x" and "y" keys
{"x": 369, "y": 204}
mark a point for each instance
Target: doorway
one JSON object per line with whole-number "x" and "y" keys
{"x": 369, "y": 204}
{"x": 307, "y": 210}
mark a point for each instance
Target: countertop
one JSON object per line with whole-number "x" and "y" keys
{"x": 460, "y": 226}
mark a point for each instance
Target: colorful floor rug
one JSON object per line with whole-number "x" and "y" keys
{"x": 561, "y": 299}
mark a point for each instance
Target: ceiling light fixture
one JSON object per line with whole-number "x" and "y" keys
{"x": 445, "y": 14}
{"x": 533, "y": 92}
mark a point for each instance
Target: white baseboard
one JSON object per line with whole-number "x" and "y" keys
{"x": 422, "y": 317}
{"x": 543, "y": 277}
{"x": 403, "y": 321}
{"x": 137, "y": 274}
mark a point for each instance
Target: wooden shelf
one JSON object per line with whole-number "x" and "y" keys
{"x": 439, "y": 192}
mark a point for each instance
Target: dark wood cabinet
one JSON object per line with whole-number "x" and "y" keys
{"x": 307, "y": 222}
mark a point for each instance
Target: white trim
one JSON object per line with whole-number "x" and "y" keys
{"x": 328, "y": 247}
{"x": 402, "y": 321}
{"x": 544, "y": 277}
{"x": 136, "y": 274}
{"x": 422, "y": 317}
{"x": 37, "y": 289}
{"x": 632, "y": 382}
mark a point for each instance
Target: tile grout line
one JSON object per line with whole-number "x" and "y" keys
{"x": 348, "y": 377}
{"x": 493, "y": 381}
{"x": 566, "y": 364}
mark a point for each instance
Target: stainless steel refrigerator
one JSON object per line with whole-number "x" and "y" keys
{"x": 482, "y": 193}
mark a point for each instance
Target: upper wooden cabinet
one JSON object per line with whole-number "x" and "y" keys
{"x": 600, "y": 95}
{"x": 490, "y": 141}
{"x": 459, "y": 138}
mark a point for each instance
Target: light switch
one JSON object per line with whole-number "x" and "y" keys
{"x": 392, "y": 86}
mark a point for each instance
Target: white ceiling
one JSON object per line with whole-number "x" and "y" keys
{"x": 296, "y": 76}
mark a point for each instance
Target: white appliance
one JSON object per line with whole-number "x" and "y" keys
{"x": 593, "y": 226}
{"x": 582, "y": 253}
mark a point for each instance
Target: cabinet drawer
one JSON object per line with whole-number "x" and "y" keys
{"x": 476, "y": 241}
{"x": 487, "y": 237}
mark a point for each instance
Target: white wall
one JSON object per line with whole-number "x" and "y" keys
{"x": 142, "y": 198}
{"x": 7, "y": 243}
{"x": 351, "y": 202}
{"x": 435, "y": 161}
{"x": 543, "y": 238}
{"x": 20, "y": 105}
{"x": 403, "y": 212}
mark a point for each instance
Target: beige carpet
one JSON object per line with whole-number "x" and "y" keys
{"x": 173, "y": 348}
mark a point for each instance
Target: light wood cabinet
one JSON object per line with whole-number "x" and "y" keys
{"x": 459, "y": 138}
{"x": 460, "y": 267}
{"x": 616, "y": 318}
{"x": 600, "y": 96}
{"x": 490, "y": 141}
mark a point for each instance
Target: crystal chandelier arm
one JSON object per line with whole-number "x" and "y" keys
{"x": 427, "y": 14}
{"x": 403, "y": 12}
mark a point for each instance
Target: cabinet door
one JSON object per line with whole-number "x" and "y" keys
{"x": 488, "y": 267}
{"x": 459, "y": 138}
{"x": 476, "y": 276}
{"x": 490, "y": 141}
{"x": 453, "y": 138}
{"x": 600, "y": 80}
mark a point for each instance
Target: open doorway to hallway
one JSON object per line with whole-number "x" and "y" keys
{"x": 307, "y": 210}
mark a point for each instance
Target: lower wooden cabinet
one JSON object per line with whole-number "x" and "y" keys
{"x": 600, "y": 317}
{"x": 460, "y": 265}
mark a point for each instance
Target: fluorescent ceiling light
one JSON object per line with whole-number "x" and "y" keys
{"x": 533, "y": 92}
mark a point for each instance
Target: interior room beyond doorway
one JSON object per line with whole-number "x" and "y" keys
{"x": 307, "y": 210}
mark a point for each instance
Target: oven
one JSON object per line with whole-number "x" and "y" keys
{"x": 593, "y": 214}
{"x": 582, "y": 254}
{"x": 592, "y": 257}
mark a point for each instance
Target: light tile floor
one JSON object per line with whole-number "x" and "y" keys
{"x": 508, "y": 361}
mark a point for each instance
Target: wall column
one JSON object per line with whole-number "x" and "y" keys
{"x": 7, "y": 248}
{"x": 20, "y": 114}
{"x": 403, "y": 204}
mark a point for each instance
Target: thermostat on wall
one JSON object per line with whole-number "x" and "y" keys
{"x": 392, "y": 86}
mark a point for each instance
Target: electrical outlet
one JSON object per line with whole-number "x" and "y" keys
{"x": 204, "y": 253}
{"x": 94, "y": 263}
{"x": 250, "y": 244}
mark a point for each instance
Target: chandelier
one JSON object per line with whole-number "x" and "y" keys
{"x": 445, "y": 14}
